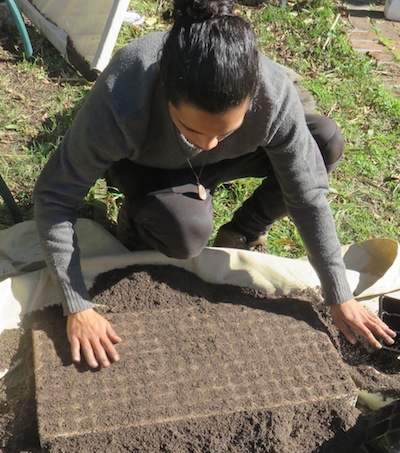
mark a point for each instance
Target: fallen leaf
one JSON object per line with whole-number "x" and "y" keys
{"x": 150, "y": 21}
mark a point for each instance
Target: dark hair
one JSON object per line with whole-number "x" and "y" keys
{"x": 210, "y": 57}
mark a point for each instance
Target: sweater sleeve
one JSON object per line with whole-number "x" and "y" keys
{"x": 302, "y": 176}
{"x": 110, "y": 126}
{"x": 89, "y": 147}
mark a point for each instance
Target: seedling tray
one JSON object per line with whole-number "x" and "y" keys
{"x": 389, "y": 312}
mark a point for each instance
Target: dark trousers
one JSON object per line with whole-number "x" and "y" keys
{"x": 162, "y": 208}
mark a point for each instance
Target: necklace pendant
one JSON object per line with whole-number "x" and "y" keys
{"x": 201, "y": 190}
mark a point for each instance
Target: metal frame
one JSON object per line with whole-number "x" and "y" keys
{"x": 15, "y": 13}
{"x": 10, "y": 202}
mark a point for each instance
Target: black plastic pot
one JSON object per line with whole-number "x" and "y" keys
{"x": 383, "y": 432}
{"x": 389, "y": 312}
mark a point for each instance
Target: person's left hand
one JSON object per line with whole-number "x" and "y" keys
{"x": 350, "y": 317}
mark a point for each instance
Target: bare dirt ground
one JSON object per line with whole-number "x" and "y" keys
{"x": 328, "y": 428}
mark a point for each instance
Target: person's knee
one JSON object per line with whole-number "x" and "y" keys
{"x": 192, "y": 238}
{"x": 178, "y": 230}
{"x": 333, "y": 149}
{"x": 329, "y": 139}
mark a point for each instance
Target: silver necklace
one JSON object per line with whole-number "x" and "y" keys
{"x": 201, "y": 190}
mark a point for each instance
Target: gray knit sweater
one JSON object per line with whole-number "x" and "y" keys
{"x": 126, "y": 116}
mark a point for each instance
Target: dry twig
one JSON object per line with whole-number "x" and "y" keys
{"x": 330, "y": 30}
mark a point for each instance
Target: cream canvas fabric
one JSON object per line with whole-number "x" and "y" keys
{"x": 373, "y": 268}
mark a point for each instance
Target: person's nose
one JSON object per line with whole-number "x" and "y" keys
{"x": 208, "y": 143}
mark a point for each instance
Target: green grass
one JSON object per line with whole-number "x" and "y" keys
{"x": 365, "y": 189}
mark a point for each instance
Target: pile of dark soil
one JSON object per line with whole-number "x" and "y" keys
{"x": 149, "y": 289}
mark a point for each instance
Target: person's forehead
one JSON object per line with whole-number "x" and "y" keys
{"x": 201, "y": 122}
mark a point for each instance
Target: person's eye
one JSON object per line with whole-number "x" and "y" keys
{"x": 222, "y": 137}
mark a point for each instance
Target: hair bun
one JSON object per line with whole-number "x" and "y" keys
{"x": 199, "y": 10}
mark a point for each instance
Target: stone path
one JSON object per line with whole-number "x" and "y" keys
{"x": 372, "y": 34}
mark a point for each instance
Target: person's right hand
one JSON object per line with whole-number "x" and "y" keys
{"x": 91, "y": 334}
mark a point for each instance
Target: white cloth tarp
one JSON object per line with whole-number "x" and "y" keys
{"x": 91, "y": 27}
{"x": 373, "y": 268}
